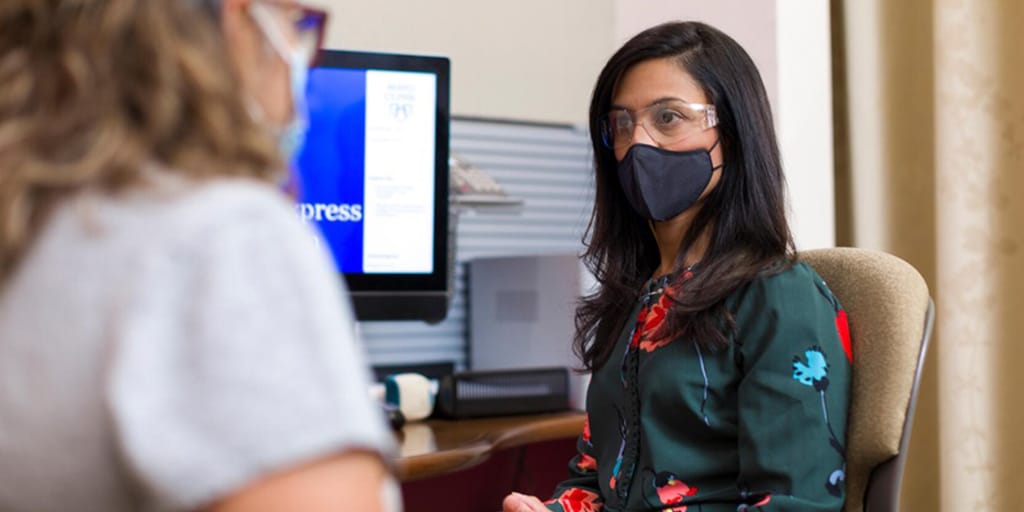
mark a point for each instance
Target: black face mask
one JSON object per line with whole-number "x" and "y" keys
{"x": 660, "y": 183}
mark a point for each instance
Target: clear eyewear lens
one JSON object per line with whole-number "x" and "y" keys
{"x": 665, "y": 123}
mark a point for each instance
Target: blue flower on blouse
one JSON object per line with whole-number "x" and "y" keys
{"x": 814, "y": 368}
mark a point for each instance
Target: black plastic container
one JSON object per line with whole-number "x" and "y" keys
{"x": 503, "y": 392}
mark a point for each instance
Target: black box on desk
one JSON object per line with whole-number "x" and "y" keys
{"x": 503, "y": 392}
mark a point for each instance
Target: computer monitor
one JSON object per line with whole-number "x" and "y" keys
{"x": 373, "y": 175}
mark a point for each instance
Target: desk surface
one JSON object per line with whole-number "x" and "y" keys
{"x": 436, "y": 447}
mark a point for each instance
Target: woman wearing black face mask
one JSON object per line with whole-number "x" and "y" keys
{"x": 720, "y": 364}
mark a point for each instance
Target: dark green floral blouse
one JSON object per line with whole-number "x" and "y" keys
{"x": 760, "y": 425}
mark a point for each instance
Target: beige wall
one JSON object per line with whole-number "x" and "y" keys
{"x": 537, "y": 60}
{"x": 803, "y": 118}
{"x": 529, "y": 60}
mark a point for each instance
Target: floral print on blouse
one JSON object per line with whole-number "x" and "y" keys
{"x": 759, "y": 425}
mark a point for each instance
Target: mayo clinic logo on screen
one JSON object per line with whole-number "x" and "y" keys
{"x": 330, "y": 212}
{"x": 401, "y": 97}
{"x": 401, "y": 111}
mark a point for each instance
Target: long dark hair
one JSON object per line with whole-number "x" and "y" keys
{"x": 744, "y": 215}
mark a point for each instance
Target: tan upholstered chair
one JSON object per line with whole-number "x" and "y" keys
{"x": 890, "y": 315}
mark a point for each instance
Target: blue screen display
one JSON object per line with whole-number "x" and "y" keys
{"x": 331, "y": 166}
{"x": 366, "y": 172}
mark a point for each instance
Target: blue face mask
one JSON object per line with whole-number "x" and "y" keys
{"x": 291, "y": 136}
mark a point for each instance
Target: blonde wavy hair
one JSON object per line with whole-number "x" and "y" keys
{"x": 91, "y": 91}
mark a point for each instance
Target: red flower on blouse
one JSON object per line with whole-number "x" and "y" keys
{"x": 649, "y": 336}
{"x": 586, "y": 429}
{"x": 843, "y": 327}
{"x": 674, "y": 491}
{"x": 586, "y": 463}
{"x": 578, "y": 500}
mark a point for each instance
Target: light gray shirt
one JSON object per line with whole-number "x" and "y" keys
{"x": 164, "y": 347}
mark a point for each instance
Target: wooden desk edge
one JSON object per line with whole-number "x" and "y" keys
{"x": 447, "y": 461}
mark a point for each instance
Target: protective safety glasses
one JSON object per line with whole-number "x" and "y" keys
{"x": 666, "y": 122}
{"x": 291, "y": 27}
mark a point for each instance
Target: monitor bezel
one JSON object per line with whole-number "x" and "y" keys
{"x": 437, "y": 281}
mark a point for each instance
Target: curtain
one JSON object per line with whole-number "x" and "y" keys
{"x": 929, "y": 108}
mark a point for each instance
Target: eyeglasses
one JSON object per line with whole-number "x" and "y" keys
{"x": 296, "y": 27}
{"x": 666, "y": 122}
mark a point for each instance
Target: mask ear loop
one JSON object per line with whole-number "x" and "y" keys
{"x": 712, "y": 148}
{"x": 268, "y": 25}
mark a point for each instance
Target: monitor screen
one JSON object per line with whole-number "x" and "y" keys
{"x": 373, "y": 176}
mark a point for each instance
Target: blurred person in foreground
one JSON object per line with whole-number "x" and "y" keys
{"x": 170, "y": 336}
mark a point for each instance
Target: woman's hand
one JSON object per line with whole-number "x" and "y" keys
{"x": 516, "y": 502}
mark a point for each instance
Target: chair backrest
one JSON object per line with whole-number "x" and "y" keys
{"x": 890, "y": 315}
